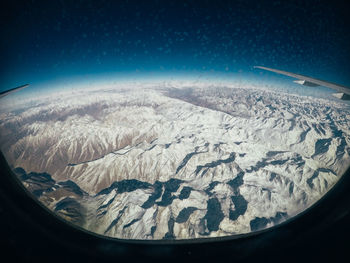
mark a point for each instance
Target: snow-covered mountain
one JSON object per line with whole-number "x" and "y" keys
{"x": 177, "y": 162}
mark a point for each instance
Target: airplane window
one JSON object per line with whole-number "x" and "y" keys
{"x": 179, "y": 121}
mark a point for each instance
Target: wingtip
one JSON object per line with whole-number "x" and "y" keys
{"x": 6, "y": 92}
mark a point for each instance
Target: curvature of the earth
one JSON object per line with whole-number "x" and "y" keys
{"x": 177, "y": 162}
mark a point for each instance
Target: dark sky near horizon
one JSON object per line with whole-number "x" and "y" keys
{"x": 46, "y": 40}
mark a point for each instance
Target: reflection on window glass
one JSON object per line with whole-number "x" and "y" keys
{"x": 171, "y": 133}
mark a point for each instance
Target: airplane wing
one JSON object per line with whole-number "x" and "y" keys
{"x": 343, "y": 92}
{"x": 6, "y": 92}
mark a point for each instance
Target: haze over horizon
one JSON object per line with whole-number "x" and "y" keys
{"x": 48, "y": 41}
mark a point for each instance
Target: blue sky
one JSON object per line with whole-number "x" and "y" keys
{"x": 48, "y": 41}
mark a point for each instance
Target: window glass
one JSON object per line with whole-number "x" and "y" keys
{"x": 152, "y": 123}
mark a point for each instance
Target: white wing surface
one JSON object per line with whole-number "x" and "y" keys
{"x": 343, "y": 92}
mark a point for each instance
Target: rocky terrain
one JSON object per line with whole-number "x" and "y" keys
{"x": 177, "y": 162}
